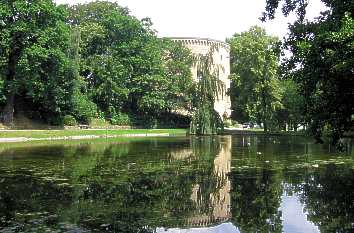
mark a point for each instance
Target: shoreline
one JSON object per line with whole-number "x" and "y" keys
{"x": 13, "y": 136}
{"x": 80, "y": 137}
{"x": 16, "y": 136}
{"x": 239, "y": 131}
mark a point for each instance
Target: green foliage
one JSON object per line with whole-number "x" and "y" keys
{"x": 322, "y": 64}
{"x": 205, "y": 119}
{"x": 126, "y": 68}
{"x": 101, "y": 64}
{"x": 255, "y": 91}
{"x": 120, "y": 119}
{"x": 85, "y": 60}
{"x": 69, "y": 120}
{"x": 2, "y": 92}
{"x": 83, "y": 108}
{"x": 34, "y": 64}
{"x": 291, "y": 111}
{"x": 177, "y": 65}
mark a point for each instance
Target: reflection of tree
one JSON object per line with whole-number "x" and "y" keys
{"x": 144, "y": 199}
{"x": 328, "y": 197}
{"x": 132, "y": 190}
{"x": 128, "y": 187}
{"x": 138, "y": 185}
{"x": 157, "y": 193}
{"x": 255, "y": 200}
{"x": 22, "y": 198}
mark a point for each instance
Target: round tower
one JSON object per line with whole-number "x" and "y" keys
{"x": 221, "y": 58}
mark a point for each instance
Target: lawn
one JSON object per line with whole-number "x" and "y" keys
{"x": 81, "y": 132}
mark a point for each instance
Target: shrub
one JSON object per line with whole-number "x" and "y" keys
{"x": 69, "y": 120}
{"x": 120, "y": 119}
{"x": 83, "y": 108}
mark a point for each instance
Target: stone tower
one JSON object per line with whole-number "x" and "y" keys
{"x": 221, "y": 57}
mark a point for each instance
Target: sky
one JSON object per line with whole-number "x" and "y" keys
{"x": 294, "y": 219}
{"x": 215, "y": 19}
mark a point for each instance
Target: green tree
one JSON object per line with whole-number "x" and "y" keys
{"x": 177, "y": 70}
{"x": 321, "y": 62}
{"x": 107, "y": 34}
{"x": 34, "y": 67}
{"x": 255, "y": 91}
{"x": 205, "y": 119}
{"x": 125, "y": 66}
{"x": 81, "y": 106}
{"x": 291, "y": 112}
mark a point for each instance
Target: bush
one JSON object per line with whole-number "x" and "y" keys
{"x": 120, "y": 119}
{"x": 83, "y": 108}
{"x": 69, "y": 120}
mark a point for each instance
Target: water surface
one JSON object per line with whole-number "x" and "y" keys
{"x": 177, "y": 184}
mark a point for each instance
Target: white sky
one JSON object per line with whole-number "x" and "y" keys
{"x": 216, "y": 19}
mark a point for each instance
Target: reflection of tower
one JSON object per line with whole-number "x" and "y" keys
{"x": 222, "y": 166}
{"x": 219, "y": 200}
{"x": 181, "y": 154}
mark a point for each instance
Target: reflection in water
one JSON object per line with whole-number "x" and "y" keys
{"x": 183, "y": 184}
{"x": 222, "y": 228}
{"x": 294, "y": 217}
{"x": 219, "y": 200}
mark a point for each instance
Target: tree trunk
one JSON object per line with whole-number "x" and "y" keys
{"x": 295, "y": 127}
{"x": 264, "y": 104}
{"x": 8, "y": 112}
{"x": 14, "y": 54}
{"x": 265, "y": 125}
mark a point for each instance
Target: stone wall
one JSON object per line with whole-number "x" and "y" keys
{"x": 221, "y": 57}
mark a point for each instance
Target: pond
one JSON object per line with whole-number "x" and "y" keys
{"x": 225, "y": 184}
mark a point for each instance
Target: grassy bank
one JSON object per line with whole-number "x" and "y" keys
{"x": 261, "y": 132}
{"x": 83, "y": 132}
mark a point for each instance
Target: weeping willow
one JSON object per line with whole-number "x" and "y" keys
{"x": 206, "y": 120}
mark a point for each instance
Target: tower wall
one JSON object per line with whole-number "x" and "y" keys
{"x": 221, "y": 58}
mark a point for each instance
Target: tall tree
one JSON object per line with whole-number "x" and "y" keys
{"x": 205, "y": 119}
{"x": 34, "y": 65}
{"x": 111, "y": 44}
{"x": 290, "y": 115}
{"x": 177, "y": 70}
{"x": 126, "y": 67}
{"x": 255, "y": 90}
{"x": 321, "y": 62}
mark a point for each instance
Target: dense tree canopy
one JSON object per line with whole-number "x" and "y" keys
{"x": 321, "y": 63}
{"x": 255, "y": 88}
{"x": 290, "y": 114}
{"x": 35, "y": 71}
{"x": 122, "y": 61}
{"x": 89, "y": 61}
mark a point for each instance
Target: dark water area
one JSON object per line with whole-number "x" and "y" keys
{"x": 219, "y": 184}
